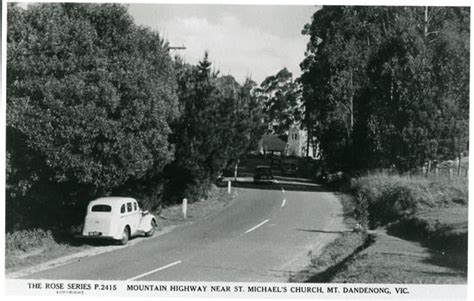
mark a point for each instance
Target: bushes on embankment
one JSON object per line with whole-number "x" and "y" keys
{"x": 391, "y": 197}
{"x": 27, "y": 240}
{"x": 414, "y": 206}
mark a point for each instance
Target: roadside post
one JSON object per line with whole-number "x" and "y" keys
{"x": 228, "y": 186}
{"x": 185, "y": 207}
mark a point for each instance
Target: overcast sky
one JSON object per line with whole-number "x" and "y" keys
{"x": 242, "y": 40}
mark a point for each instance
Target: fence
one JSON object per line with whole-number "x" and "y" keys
{"x": 445, "y": 169}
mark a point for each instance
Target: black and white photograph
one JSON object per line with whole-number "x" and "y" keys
{"x": 235, "y": 149}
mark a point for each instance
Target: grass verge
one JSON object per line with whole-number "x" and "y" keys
{"x": 390, "y": 259}
{"x": 431, "y": 211}
{"x": 420, "y": 232}
{"x": 334, "y": 255}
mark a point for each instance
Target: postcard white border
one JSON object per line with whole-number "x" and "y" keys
{"x": 418, "y": 292}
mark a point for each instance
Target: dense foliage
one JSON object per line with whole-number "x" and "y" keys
{"x": 387, "y": 86}
{"x": 219, "y": 121}
{"x": 280, "y": 97}
{"x": 89, "y": 99}
{"x": 96, "y": 106}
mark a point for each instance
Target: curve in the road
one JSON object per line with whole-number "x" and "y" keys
{"x": 275, "y": 244}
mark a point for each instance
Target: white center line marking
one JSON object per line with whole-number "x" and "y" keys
{"x": 283, "y": 203}
{"x": 155, "y": 270}
{"x": 259, "y": 225}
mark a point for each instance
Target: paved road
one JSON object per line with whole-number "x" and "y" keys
{"x": 262, "y": 236}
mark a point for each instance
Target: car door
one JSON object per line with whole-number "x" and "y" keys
{"x": 133, "y": 216}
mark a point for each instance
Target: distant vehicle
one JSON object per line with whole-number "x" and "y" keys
{"x": 263, "y": 174}
{"x": 289, "y": 169}
{"x": 275, "y": 162}
{"x": 117, "y": 218}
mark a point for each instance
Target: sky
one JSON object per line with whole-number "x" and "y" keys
{"x": 253, "y": 41}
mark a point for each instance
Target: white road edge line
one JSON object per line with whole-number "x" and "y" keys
{"x": 283, "y": 203}
{"x": 259, "y": 225}
{"x": 155, "y": 270}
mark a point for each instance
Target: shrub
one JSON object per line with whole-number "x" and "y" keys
{"x": 391, "y": 197}
{"x": 27, "y": 240}
{"x": 89, "y": 107}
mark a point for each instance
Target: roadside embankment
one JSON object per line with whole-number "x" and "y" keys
{"x": 418, "y": 232}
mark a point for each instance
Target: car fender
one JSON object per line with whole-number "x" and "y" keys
{"x": 145, "y": 222}
{"x": 118, "y": 229}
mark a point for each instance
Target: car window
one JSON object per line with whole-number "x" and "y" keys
{"x": 122, "y": 209}
{"x": 264, "y": 171}
{"x": 101, "y": 208}
{"x": 135, "y": 206}
{"x": 129, "y": 207}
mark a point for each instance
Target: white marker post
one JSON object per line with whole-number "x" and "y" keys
{"x": 185, "y": 207}
{"x": 228, "y": 186}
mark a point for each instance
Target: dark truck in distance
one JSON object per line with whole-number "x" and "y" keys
{"x": 263, "y": 174}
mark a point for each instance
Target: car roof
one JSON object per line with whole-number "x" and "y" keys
{"x": 113, "y": 200}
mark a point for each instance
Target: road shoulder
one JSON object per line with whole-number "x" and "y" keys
{"x": 169, "y": 219}
{"x": 383, "y": 256}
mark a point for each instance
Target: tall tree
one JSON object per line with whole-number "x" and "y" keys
{"x": 280, "y": 96}
{"x": 376, "y": 73}
{"x": 220, "y": 120}
{"x": 89, "y": 99}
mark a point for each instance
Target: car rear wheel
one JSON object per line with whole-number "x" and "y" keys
{"x": 125, "y": 236}
{"x": 152, "y": 230}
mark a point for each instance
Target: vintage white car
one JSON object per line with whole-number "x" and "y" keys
{"x": 117, "y": 218}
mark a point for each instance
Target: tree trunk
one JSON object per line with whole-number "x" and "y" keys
{"x": 426, "y": 22}
{"x": 307, "y": 142}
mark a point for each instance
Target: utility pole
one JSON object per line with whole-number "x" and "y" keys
{"x": 426, "y": 22}
{"x": 176, "y": 48}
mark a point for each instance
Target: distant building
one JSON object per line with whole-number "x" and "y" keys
{"x": 272, "y": 144}
{"x": 296, "y": 144}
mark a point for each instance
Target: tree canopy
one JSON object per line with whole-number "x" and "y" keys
{"x": 96, "y": 106}
{"x": 387, "y": 86}
{"x": 220, "y": 120}
{"x": 90, "y": 96}
{"x": 280, "y": 97}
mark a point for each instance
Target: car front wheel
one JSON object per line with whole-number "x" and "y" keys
{"x": 152, "y": 230}
{"x": 125, "y": 236}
